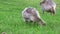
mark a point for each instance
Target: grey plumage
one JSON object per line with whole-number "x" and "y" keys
{"x": 32, "y": 14}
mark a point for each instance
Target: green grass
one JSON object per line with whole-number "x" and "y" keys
{"x": 11, "y": 20}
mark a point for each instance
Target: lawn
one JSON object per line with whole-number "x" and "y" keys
{"x": 11, "y": 20}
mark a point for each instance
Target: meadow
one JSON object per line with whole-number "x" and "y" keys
{"x": 11, "y": 20}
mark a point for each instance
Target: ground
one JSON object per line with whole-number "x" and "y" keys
{"x": 11, "y": 20}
